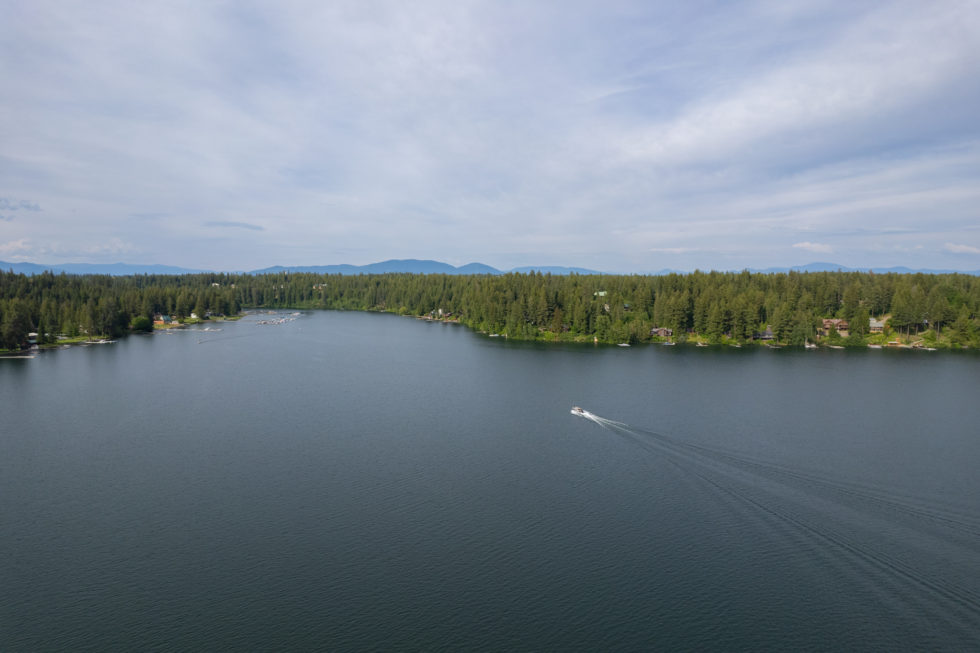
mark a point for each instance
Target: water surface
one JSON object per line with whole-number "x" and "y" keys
{"x": 360, "y": 481}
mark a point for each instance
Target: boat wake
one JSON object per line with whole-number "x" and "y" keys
{"x": 925, "y": 559}
{"x": 601, "y": 421}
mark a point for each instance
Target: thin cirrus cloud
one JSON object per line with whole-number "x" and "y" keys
{"x": 230, "y": 224}
{"x": 706, "y": 135}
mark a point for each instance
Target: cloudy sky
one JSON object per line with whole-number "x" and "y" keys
{"x": 620, "y": 136}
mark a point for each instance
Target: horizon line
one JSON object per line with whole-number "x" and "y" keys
{"x": 824, "y": 265}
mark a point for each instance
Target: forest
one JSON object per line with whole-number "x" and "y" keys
{"x": 939, "y": 310}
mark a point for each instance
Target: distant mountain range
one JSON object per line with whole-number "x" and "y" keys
{"x": 411, "y": 266}
{"x": 834, "y": 267}
{"x": 415, "y": 266}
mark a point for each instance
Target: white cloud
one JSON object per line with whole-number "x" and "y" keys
{"x": 961, "y": 249}
{"x": 850, "y": 80}
{"x": 818, "y": 248}
{"x": 111, "y": 246}
{"x": 16, "y": 248}
{"x": 674, "y": 250}
{"x": 491, "y": 131}
{"x": 26, "y": 248}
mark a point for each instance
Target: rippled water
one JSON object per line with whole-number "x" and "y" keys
{"x": 353, "y": 481}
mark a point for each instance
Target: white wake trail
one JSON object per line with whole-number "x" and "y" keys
{"x": 601, "y": 421}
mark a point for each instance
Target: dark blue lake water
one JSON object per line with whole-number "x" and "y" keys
{"x": 351, "y": 481}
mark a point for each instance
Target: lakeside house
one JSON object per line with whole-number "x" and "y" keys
{"x": 875, "y": 326}
{"x": 661, "y": 332}
{"x": 439, "y": 314}
{"x": 765, "y": 335}
{"x": 841, "y": 326}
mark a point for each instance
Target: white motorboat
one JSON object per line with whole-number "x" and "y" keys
{"x": 581, "y": 412}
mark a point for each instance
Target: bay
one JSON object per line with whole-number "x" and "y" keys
{"x": 353, "y": 481}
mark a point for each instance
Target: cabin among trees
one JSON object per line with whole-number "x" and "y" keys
{"x": 766, "y": 336}
{"x": 835, "y": 325}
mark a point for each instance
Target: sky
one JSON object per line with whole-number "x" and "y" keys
{"x": 618, "y": 136}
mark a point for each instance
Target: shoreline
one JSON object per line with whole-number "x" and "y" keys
{"x": 875, "y": 343}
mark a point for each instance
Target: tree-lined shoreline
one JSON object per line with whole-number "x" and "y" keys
{"x": 935, "y": 310}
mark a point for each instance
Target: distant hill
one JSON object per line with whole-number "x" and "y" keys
{"x": 415, "y": 266}
{"x": 411, "y": 266}
{"x": 476, "y": 268}
{"x": 664, "y": 272}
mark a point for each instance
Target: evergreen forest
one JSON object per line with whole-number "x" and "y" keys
{"x": 939, "y": 310}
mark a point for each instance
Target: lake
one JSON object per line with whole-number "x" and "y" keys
{"x": 351, "y": 481}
